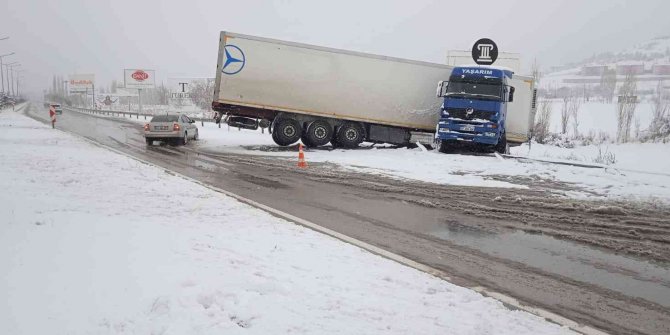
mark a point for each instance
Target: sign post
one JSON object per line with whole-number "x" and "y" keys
{"x": 139, "y": 79}
{"x": 52, "y": 115}
{"x": 485, "y": 52}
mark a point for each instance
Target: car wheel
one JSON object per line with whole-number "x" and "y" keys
{"x": 286, "y": 131}
{"x": 184, "y": 139}
{"x": 196, "y": 136}
{"x": 149, "y": 141}
{"x": 319, "y": 133}
{"x": 350, "y": 135}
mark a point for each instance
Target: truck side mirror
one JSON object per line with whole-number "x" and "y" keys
{"x": 441, "y": 87}
{"x": 511, "y": 93}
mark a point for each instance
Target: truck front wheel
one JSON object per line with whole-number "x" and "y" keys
{"x": 444, "y": 146}
{"x": 501, "y": 147}
{"x": 350, "y": 135}
{"x": 286, "y": 131}
{"x": 318, "y": 133}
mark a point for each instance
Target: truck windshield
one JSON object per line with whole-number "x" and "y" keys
{"x": 477, "y": 90}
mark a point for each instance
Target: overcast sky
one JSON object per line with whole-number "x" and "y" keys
{"x": 179, "y": 38}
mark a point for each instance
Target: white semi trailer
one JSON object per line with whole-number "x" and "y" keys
{"x": 320, "y": 95}
{"x": 323, "y": 95}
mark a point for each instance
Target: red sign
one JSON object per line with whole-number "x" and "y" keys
{"x": 140, "y": 75}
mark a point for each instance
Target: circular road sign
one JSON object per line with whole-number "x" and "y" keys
{"x": 485, "y": 51}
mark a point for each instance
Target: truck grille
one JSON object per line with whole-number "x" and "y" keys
{"x": 462, "y": 114}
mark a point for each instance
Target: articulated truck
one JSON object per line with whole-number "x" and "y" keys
{"x": 319, "y": 95}
{"x": 485, "y": 106}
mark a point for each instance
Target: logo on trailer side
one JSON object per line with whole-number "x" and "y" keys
{"x": 484, "y": 52}
{"x": 234, "y": 60}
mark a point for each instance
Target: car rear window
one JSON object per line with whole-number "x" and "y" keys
{"x": 165, "y": 118}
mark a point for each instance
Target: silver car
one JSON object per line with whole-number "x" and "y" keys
{"x": 173, "y": 129}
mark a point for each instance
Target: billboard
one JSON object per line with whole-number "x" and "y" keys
{"x": 190, "y": 94}
{"x": 139, "y": 78}
{"x": 80, "y": 83}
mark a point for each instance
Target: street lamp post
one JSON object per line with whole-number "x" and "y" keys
{"x": 2, "y": 76}
{"x": 11, "y": 67}
{"x": 19, "y": 75}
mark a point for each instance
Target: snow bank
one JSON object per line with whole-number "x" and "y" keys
{"x": 95, "y": 242}
{"x": 627, "y": 179}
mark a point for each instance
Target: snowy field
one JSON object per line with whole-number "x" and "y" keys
{"x": 92, "y": 242}
{"x": 641, "y": 172}
{"x": 597, "y": 117}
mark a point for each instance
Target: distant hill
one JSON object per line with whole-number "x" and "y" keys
{"x": 655, "y": 50}
{"x": 648, "y": 61}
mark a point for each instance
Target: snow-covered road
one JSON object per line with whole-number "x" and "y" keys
{"x": 95, "y": 242}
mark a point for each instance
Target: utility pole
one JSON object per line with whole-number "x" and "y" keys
{"x": 19, "y": 74}
{"x": 11, "y": 84}
{"x": 2, "y": 76}
{"x": 67, "y": 92}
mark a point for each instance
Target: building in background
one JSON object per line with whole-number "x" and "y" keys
{"x": 625, "y": 69}
{"x": 593, "y": 70}
{"x": 661, "y": 69}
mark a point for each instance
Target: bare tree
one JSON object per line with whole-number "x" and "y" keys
{"x": 202, "y": 93}
{"x": 626, "y": 108}
{"x": 608, "y": 82}
{"x": 637, "y": 128}
{"x": 542, "y": 121}
{"x": 573, "y": 107}
{"x": 163, "y": 94}
{"x": 660, "y": 109}
{"x": 565, "y": 112}
{"x": 535, "y": 73}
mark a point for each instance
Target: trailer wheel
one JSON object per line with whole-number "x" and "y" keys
{"x": 333, "y": 139}
{"x": 318, "y": 133}
{"x": 350, "y": 135}
{"x": 286, "y": 131}
{"x": 305, "y": 140}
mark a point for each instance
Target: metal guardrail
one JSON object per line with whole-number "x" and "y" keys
{"x": 124, "y": 114}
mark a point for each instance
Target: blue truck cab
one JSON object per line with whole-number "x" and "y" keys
{"x": 474, "y": 108}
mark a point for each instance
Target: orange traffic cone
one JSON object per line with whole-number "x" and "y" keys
{"x": 301, "y": 157}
